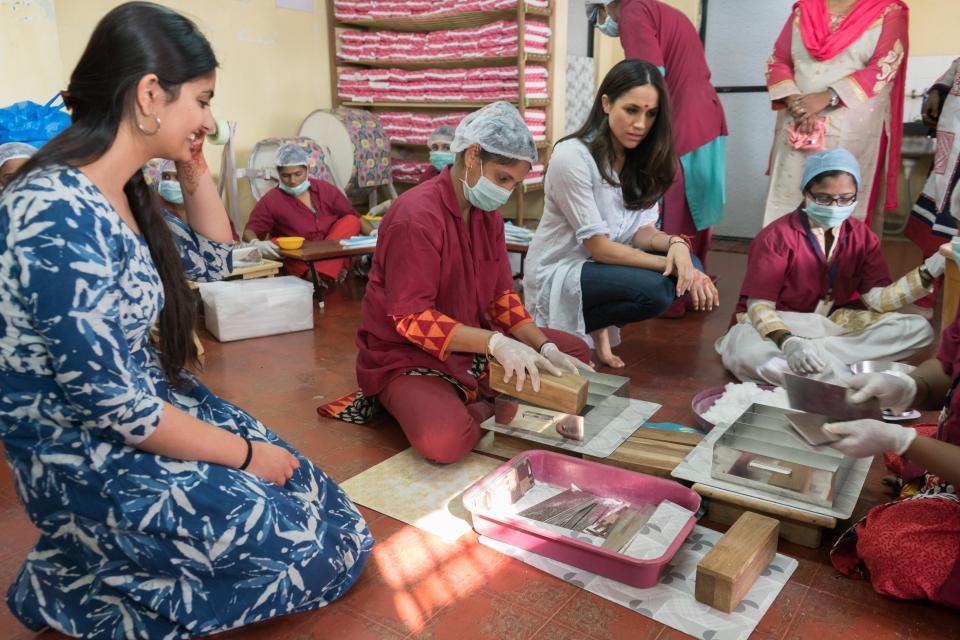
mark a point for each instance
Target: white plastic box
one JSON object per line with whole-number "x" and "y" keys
{"x": 241, "y": 309}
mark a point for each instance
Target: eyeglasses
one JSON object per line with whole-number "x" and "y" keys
{"x": 827, "y": 200}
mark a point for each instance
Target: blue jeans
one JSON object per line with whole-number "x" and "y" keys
{"x": 615, "y": 295}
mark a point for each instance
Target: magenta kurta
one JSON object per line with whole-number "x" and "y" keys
{"x": 665, "y": 37}
{"x": 428, "y": 257}
{"x": 783, "y": 267}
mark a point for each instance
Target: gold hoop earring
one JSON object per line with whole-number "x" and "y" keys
{"x": 140, "y": 126}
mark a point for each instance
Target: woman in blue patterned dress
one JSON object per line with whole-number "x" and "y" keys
{"x": 164, "y": 511}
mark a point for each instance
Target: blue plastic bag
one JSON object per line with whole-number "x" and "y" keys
{"x": 32, "y": 123}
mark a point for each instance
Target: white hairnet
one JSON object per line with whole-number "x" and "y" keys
{"x": 590, "y": 4}
{"x": 292, "y": 155}
{"x": 498, "y": 128}
{"x": 443, "y": 133}
{"x": 166, "y": 166}
{"x": 15, "y": 151}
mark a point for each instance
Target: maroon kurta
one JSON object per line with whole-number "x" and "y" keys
{"x": 280, "y": 214}
{"x": 429, "y": 258}
{"x": 783, "y": 267}
{"x": 949, "y": 357}
{"x": 665, "y": 37}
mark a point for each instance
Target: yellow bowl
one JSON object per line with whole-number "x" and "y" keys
{"x": 289, "y": 243}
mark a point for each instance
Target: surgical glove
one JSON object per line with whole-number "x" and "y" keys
{"x": 866, "y": 438}
{"x": 267, "y": 248}
{"x": 376, "y": 210}
{"x": 803, "y": 355}
{"x": 516, "y": 357}
{"x": 936, "y": 265}
{"x": 895, "y": 392}
{"x": 552, "y": 352}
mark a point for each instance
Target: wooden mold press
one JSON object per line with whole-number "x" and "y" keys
{"x": 567, "y": 393}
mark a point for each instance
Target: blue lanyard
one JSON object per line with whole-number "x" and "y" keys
{"x": 818, "y": 251}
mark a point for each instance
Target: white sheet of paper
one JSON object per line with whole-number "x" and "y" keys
{"x": 426, "y": 495}
{"x": 672, "y": 601}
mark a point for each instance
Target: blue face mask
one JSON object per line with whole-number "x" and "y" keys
{"x": 955, "y": 248}
{"x": 609, "y": 27}
{"x": 485, "y": 195}
{"x": 441, "y": 159}
{"x": 297, "y": 190}
{"x": 828, "y": 216}
{"x": 171, "y": 191}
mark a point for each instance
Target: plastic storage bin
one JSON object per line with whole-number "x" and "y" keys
{"x": 591, "y": 477}
{"x": 252, "y": 308}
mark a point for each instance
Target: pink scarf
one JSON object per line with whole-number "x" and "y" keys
{"x": 824, "y": 44}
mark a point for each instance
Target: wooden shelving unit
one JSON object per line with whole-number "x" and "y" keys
{"x": 445, "y": 22}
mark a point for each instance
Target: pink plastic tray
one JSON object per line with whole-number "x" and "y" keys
{"x": 593, "y": 477}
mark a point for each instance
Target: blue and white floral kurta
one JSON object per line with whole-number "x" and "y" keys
{"x": 134, "y": 544}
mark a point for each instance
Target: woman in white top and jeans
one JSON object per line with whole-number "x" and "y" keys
{"x": 598, "y": 260}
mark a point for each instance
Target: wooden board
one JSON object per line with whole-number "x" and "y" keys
{"x": 726, "y": 573}
{"x": 506, "y": 447}
{"x": 666, "y": 435}
{"x": 796, "y": 525}
{"x": 266, "y": 269}
{"x": 567, "y": 393}
{"x": 801, "y": 533}
{"x": 653, "y": 457}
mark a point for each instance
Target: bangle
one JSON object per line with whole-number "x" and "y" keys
{"x": 545, "y": 343}
{"x": 249, "y": 456}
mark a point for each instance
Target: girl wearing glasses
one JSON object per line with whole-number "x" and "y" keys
{"x": 818, "y": 296}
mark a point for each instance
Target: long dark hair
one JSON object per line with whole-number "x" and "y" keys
{"x": 649, "y": 169}
{"x": 131, "y": 41}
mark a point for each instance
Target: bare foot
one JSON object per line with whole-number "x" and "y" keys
{"x": 601, "y": 341}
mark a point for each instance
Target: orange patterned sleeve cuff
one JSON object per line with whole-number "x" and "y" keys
{"x": 430, "y": 330}
{"x": 508, "y": 314}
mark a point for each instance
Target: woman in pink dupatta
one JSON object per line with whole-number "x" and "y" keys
{"x": 838, "y": 68}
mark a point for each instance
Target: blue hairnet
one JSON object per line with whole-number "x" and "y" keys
{"x": 15, "y": 151}
{"x": 292, "y": 155}
{"x": 443, "y": 133}
{"x": 833, "y": 160}
{"x": 498, "y": 128}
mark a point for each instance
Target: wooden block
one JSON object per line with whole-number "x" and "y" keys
{"x": 566, "y": 393}
{"x": 647, "y": 456}
{"x": 728, "y": 571}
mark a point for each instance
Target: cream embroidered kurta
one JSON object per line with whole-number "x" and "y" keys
{"x": 862, "y": 75}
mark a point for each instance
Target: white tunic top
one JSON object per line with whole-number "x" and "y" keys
{"x": 579, "y": 204}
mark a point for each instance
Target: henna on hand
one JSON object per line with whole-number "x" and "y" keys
{"x": 189, "y": 172}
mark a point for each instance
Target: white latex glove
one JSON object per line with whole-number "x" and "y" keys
{"x": 895, "y": 392}
{"x": 803, "y": 356}
{"x": 936, "y": 264}
{"x": 373, "y": 234}
{"x": 376, "y": 210}
{"x": 267, "y": 248}
{"x": 518, "y": 358}
{"x": 865, "y": 438}
{"x": 552, "y": 352}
